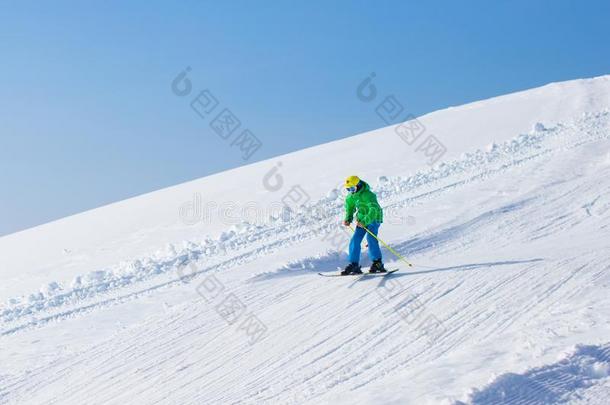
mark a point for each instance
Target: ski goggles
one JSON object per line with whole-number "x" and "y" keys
{"x": 351, "y": 189}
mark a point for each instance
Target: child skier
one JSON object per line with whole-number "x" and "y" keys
{"x": 369, "y": 216}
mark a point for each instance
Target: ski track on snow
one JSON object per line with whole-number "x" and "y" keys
{"x": 45, "y": 306}
{"x": 341, "y": 349}
{"x": 549, "y": 384}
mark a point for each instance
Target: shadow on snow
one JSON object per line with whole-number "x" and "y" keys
{"x": 332, "y": 261}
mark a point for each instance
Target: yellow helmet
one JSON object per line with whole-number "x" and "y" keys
{"x": 352, "y": 181}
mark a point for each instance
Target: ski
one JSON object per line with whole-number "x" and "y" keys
{"x": 360, "y": 274}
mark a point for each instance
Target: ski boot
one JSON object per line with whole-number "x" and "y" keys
{"x": 352, "y": 268}
{"x": 377, "y": 267}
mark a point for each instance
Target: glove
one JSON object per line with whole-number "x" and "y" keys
{"x": 346, "y": 223}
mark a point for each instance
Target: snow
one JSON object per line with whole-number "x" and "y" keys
{"x": 507, "y": 298}
{"x": 569, "y": 377}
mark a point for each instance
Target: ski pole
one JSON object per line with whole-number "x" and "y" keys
{"x": 384, "y": 244}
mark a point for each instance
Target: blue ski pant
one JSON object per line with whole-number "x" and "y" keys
{"x": 354, "y": 244}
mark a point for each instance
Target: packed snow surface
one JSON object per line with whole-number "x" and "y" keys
{"x": 208, "y": 293}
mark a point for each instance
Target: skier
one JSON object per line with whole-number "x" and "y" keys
{"x": 369, "y": 216}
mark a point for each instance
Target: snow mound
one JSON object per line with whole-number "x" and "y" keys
{"x": 329, "y": 262}
{"x": 548, "y": 384}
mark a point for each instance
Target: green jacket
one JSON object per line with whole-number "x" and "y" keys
{"x": 364, "y": 204}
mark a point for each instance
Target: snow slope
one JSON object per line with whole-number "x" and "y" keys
{"x": 507, "y": 299}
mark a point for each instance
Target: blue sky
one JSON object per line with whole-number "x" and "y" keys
{"x": 88, "y": 116}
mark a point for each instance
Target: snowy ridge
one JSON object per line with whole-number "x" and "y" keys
{"x": 244, "y": 242}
